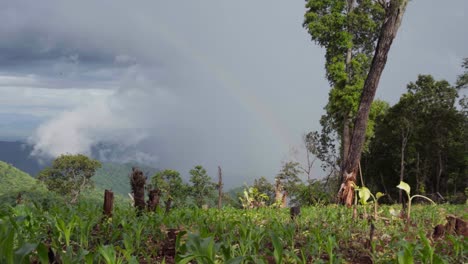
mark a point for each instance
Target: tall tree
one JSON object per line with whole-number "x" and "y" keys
{"x": 171, "y": 186}
{"x": 70, "y": 175}
{"x": 202, "y": 186}
{"x": 394, "y": 10}
{"x": 348, "y": 30}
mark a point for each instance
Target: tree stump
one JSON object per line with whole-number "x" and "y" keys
{"x": 137, "y": 182}
{"x": 454, "y": 225}
{"x": 294, "y": 212}
{"x": 153, "y": 199}
{"x": 108, "y": 203}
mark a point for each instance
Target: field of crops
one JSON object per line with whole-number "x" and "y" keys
{"x": 324, "y": 234}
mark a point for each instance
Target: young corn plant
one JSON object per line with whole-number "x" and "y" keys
{"x": 405, "y": 187}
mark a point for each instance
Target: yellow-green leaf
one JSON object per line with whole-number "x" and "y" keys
{"x": 404, "y": 186}
{"x": 379, "y": 194}
{"x": 364, "y": 194}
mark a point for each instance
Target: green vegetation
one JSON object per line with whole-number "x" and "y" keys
{"x": 422, "y": 140}
{"x": 321, "y": 234}
{"x": 115, "y": 176}
{"x": 202, "y": 186}
{"x": 171, "y": 186}
{"x": 70, "y": 175}
{"x": 13, "y": 181}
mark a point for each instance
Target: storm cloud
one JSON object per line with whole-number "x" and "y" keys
{"x": 175, "y": 84}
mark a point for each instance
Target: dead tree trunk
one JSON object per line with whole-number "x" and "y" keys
{"x": 168, "y": 204}
{"x": 108, "y": 203}
{"x": 394, "y": 10}
{"x": 278, "y": 193}
{"x": 220, "y": 188}
{"x": 137, "y": 182}
{"x": 153, "y": 199}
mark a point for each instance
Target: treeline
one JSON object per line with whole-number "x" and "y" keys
{"x": 423, "y": 140}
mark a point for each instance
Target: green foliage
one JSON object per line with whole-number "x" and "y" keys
{"x": 289, "y": 177}
{"x": 436, "y": 133}
{"x": 349, "y": 35}
{"x": 70, "y": 175}
{"x": 365, "y": 194}
{"x": 312, "y": 193}
{"x": 18, "y": 186}
{"x": 253, "y": 198}
{"x": 264, "y": 186}
{"x": 171, "y": 186}
{"x": 202, "y": 186}
{"x": 462, "y": 81}
{"x": 114, "y": 176}
{"x": 219, "y": 236}
{"x": 14, "y": 181}
{"x": 405, "y": 187}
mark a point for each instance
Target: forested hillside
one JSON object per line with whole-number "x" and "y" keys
{"x": 13, "y": 180}
{"x": 114, "y": 176}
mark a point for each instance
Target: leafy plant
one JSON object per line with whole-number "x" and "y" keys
{"x": 364, "y": 195}
{"x": 405, "y": 187}
{"x": 253, "y": 198}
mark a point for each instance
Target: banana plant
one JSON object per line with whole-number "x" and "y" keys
{"x": 364, "y": 195}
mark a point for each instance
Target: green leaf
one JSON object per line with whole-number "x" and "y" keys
{"x": 236, "y": 260}
{"x": 42, "y": 252}
{"x": 21, "y": 255}
{"x": 364, "y": 194}
{"x": 404, "y": 186}
{"x": 379, "y": 194}
{"x": 405, "y": 257}
{"x": 278, "y": 248}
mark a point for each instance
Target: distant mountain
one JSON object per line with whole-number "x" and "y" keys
{"x": 14, "y": 181}
{"x": 18, "y": 154}
{"x": 111, "y": 175}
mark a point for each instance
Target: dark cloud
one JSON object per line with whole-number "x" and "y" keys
{"x": 177, "y": 84}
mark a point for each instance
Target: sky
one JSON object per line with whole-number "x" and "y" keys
{"x": 176, "y": 84}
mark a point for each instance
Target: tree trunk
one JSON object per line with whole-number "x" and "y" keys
{"x": 439, "y": 174}
{"x": 418, "y": 180}
{"x": 394, "y": 11}
{"x": 137, "y": 182}
{"x": 153, "y": 199}
{"x": 404, "y": 140}
{"x": 108, "y": 203}
{"x": 346, "y": 136}
{"x": 220, "y": 188}
{"x": 346, "y": 139}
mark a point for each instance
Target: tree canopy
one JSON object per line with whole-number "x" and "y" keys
{"x": 202, "y": 185}
{"x": 70, "y": 175}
